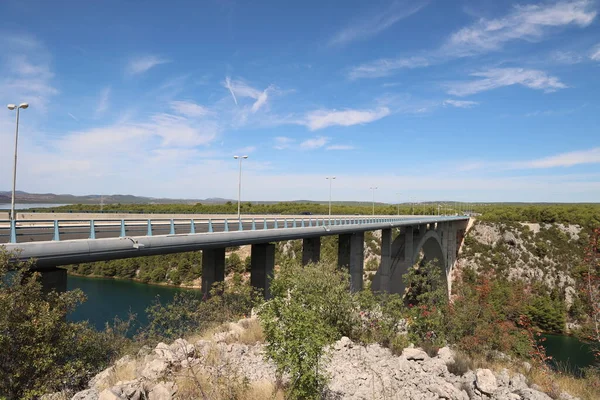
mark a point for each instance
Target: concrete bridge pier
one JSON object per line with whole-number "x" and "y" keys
{"x": 213, "y": 268}
{"x": 385, "y": 270}
{"x": 262, "y": 265}
{"x": 351, "y": 256}
{"x": 311, "y": 250}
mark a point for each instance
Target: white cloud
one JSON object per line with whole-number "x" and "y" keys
{"x": 591, "y": 156}
{"x": 189, "y": 109}
{"x": 324, "y": 118}
{"x": 283, "y": 142}
{"x": 566, "y": 57}
{"x": 340, "y": 147}
{"x": 377, "y": 23}
{"x": 499, "y": 77}
{"x": 385, "y": 67}
{"x": 103, "y": 102}
{"x": 239, "y": 88}
{"x": 595, "y": 54}
{"x": 314, "y": 143}
{"x": 460, "y": 103}
{"x": 141, "y": 64}
{"x": 529, "y": 22}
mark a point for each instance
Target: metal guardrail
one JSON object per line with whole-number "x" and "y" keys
{"x": 60, "y": 230}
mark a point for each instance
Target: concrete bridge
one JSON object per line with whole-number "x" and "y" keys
{"x": 66, "y": 239}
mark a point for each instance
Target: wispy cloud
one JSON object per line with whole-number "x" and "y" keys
{"x": 499, "y": 77}
{"x": 591, "y": 156}
{"x": 340, "y": 147}
{"x": 189, "y": 109}
{"x": 324, "y": 118}
{"x": 283, "y": 142}
{"x": 566, "y": 57}
{"x": 386, "y": 67}
{"x": 141, "y": 64}
{"x": 239, "y": 88}
{"x": 74, "y": 117}
{"x": 460, "y": 103}
{"x": 314, "y": 143}
{"x": 595, "y": 54}
{"x": 529, "y": 22}
{"x": 103, "y": 102}
{"x": 377, "y": 23}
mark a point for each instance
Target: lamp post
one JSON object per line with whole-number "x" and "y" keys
{"x": 330, "y": 179}
{"x": 12, "y": 202}
{"x": 373, "y": 188}
{"x": 240, "y": 185}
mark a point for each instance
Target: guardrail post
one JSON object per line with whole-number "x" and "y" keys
{"x": 226, "y": 226}
{"x": 310, "y": 222}
{"x": 265, "y": 226}
{"x": 285, "y": 225}
{"x": 294, "y": 223}
{"x": 192, "y": 227}
{"x": 240, "y": 225}
{"x": 149, "y": 233}
{"x": 172, "y": 231}
{"x": 253, "y": 224}
{"x": 275, "y": 224}
{"x": 302, "y": 225}
{"x": 210, "y": 227}
{"x": 123, "y": 233}
{"x": 92, "y": 229}
{"x": 13, "y": 231}
{"x": 56, "y": 237}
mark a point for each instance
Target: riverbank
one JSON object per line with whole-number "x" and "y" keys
{"x": 194, "y": 286}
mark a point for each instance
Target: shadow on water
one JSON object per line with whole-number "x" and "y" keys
{"x": 110, "y": 298}
{"x": 569, "y": 354}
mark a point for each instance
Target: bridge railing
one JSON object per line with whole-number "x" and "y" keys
{"x": 59, "y": 230}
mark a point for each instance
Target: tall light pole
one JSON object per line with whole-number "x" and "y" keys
{"x": 398, "y": 194}
{"x": 330, "y": 178}
{"x": 240, "y": 185}
{"x": 373, "y": 188}
{"x": 12, "y": 202}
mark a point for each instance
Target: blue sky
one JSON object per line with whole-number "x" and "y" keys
{"x": 469, "y": 100}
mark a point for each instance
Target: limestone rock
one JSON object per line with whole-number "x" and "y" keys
{"x": 108, "y": 394}
{"x": 155, "y": 369}
{"x": 102, "y": 379}
{"x": 414, "y": 354}
{"x": 88, "y": 394}
{"x": 509, "y": 238}
{"x": 486, "y": 381}
{"x": 446, "y": 355}
{"x": 162, "y": 391}
{"x": 532, "y": 394}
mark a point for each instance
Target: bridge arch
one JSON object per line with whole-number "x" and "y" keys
{"x": 427, "y": 243}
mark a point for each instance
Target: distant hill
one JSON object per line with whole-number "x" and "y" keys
{"x": 51, "y": 198}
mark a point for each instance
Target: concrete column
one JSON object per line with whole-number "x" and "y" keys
{"x": 213, "y": 268}
{"x": 351, "y": 256}
{"x": 54, "y": 279}
{"x": 262, "y": 265}
{"x": 408, "y": 243}
{"x": 386, "y": 260}
{"x": 311, "y": 250}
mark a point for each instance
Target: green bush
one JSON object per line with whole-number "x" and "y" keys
{"x": 41, "y": 351}
{"x": 311, "y": 308}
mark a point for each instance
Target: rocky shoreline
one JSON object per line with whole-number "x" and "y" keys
{"x": 184, "y": 369}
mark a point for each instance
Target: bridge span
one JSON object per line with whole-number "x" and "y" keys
{"x": 72, "y": 239}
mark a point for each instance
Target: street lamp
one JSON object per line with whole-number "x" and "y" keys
{"x": 240, "y": 184}
{"x": 12, "y": 202}
{"x": 373, "y": 188}
{"x": 330, "y": 178}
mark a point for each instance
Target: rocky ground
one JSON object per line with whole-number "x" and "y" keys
{"x": 222, "y": 365}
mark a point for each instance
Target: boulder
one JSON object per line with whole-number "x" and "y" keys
{"x": 413, "y": 354}
{"x": 446, "y": 355}
{"x": 532, "y": 394}
{"x": 485, "y": 381}
{"x": 155, "y": 369}
{"x": 509, "y": 238}
{"x": 162, "y": 391}
{"x": 108, "y": 394}
{"x": 88, "y": 394}
{"x": 102, "y": 379}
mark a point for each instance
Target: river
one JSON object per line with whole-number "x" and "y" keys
{"x": 108, "y": 298}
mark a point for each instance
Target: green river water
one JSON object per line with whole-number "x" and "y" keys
{"x": 107, "y": 298}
